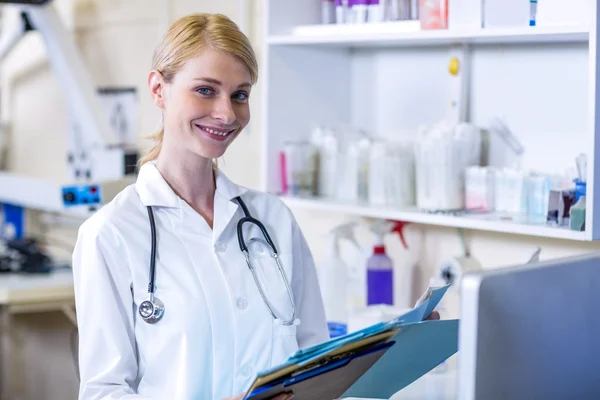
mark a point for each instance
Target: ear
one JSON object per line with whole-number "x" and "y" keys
{"x": 156, "y": 84}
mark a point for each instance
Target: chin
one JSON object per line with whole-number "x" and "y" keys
{"x": 207, "y": 151}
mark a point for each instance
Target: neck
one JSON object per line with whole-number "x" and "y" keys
{"x": 191, "y": 177}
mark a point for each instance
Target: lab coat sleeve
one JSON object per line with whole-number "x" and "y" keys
{"x": 313, "y": 325}
{"x": 107, "y": 352}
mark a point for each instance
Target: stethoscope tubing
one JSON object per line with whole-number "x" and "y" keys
{"x": 240, "y": 234}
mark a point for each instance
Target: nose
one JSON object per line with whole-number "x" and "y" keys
{"x": 223, "y": 111}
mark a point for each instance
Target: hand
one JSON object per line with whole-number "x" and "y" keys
{"x": 433, "y": 316}
{"x": 236, "y": 397}
{"x": 284, "y": 396}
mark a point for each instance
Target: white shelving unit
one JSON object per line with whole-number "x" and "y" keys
{"x": 389, "y": 78}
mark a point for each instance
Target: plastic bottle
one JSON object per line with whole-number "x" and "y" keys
{"x": 333, "y": 280}
{"x": 380, "y": 269}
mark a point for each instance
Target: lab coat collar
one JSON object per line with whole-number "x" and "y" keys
{"x": 155, "y": 191}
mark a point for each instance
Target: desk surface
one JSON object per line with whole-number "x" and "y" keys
{"x": 30, "y": 288}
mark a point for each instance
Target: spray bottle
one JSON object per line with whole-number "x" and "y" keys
{"x": 380, "y": 269}
{"x": 333, "y": 280}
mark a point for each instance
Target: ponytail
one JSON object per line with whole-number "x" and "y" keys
{"x": 152, "y": 153}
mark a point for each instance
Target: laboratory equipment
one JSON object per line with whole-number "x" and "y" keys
{"x": 391, "y": 174}
{"x": 333, "y": 279}
{"x": 559, "y": 206}
{"x": 530, "y": 332}
{"x": 510, "y": 192}
{"x": 442, "y": 153}
{"x": 299, "y": 169}
{"x": 102, "y": 158}
{"x": 577, "y": 215}
{"x": 342, "y": 12}
{"x": 376, "y": 10}
{"x": 152, "y": 310}
{"x": 479, "y": 188}
{"x": 433, "y": 14}
{"x": 538, "y": 195}
{"x": 108, "y": 160}
{"x": 352, "y": 166}
{"x": 327, "y": 12}
{"x": 359, "y": 10}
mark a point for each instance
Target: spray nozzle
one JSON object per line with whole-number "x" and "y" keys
{"x": 381, "y": 227}
{"x": 399, "y": 229}
{"x": 344, "y": 231}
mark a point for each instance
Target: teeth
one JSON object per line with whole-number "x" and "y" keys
{"x": 213, "y": 132}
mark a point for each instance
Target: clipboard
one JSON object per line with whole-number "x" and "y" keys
{"x": 372, "y": 362}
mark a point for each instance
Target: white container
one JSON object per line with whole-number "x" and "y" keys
{"x": 479, "y": 188}
{"x": 359, "y": 11}
{"x": 327, "y": 12}
{"x": 300, "y": 168}
{"x": 352, "y": 166}
{"x": 391, "y": 174}
{"x": 333, "y": 279}
{"x": 376, "y": 10}
{"x": 442, "y": 153}
{"x": 465, "y": 14}
{"x": 502, "y": 13}
{"x": 561, "y": 12}
{"x": 342, "y": 12}
{"x": 509, "y": 193}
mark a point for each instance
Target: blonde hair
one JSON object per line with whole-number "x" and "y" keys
{"x": 184, "y": 40}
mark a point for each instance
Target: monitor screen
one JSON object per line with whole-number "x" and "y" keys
{"x": 531, "y": 332}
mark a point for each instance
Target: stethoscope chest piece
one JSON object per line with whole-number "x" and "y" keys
{"x": 152, "y": 310}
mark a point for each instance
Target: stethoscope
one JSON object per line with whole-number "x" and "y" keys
{"x": 152, "y": 310}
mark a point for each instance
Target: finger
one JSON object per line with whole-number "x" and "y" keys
{"x": 284, "y": 396}
{"x": 433, "y": 316}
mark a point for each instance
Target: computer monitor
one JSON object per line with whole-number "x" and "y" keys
{"x": 531, "y": 332}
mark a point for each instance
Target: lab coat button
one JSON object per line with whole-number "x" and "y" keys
{"x": 220, "y": 246}
{"x": 246, "y": 370}
{"x": 242, "y": 303}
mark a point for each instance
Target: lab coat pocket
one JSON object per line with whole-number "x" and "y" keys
{"x": 277, "y": 291}
{"x": 285, "y": 342}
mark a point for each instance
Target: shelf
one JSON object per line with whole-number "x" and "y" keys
{"x": 482, "y": 222}
{"x": 408, "y": 33}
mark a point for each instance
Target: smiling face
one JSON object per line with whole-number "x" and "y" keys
{"x": 205, "y": 105}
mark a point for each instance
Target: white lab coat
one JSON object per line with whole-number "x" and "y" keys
{"x": 216, "y": 333}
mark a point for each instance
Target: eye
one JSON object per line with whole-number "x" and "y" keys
{"x": 241, "y": 96}
{"x": 205, "y": 91}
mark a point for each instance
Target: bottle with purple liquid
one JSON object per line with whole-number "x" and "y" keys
{"x": 380, "y": 277}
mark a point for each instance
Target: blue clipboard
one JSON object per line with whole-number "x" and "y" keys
{"x": 377, "y": 361}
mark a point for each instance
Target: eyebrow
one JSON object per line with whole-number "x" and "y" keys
{"x": 219, "y": 83}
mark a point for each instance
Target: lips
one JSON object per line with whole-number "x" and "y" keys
{"x": 214, "y": 132}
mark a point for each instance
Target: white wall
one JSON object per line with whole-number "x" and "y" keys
{"x": 117, "y": 38}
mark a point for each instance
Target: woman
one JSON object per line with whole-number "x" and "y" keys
{"x": 216, "y": 332}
